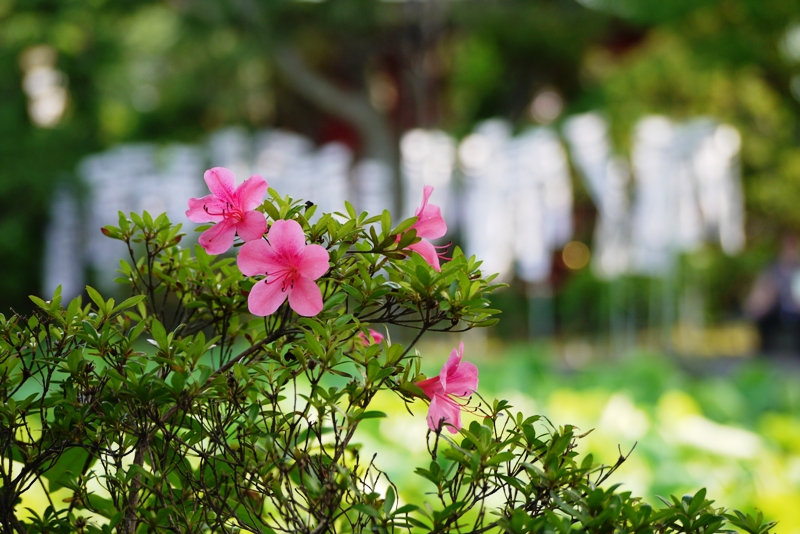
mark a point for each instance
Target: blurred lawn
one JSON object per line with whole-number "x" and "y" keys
{"x": 736, "y": 433}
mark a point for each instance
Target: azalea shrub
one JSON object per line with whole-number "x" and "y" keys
{"x": 226, "y": 393}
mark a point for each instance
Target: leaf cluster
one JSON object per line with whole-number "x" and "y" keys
{"x": 175, "y": 410}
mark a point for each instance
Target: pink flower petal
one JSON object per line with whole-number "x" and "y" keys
{"x": 430, "y": 223}
{"x": 252, "y": 227}
{"x": 364, "y": 340}
{"x": 251, "y": 192}
{"x": 431, "y": 387}
{"x": 271, "y": 262}
{"x": 377, "y": 337}
{"x": 459, "y": 378}
{"x": 452, "y": 363}
{"x": 264, "y": 298}
{"x": 290, "y": 266}
{"x": 305, "y": 297}
{"x": 197, "y": 209}
{"x": 428, "y": 253}
{"x": 286, "y": 238}
{"x": 426, "y": 194}
{"x": 432, "y": 227}
{"x": 218, "y": 238}
{"x": 251, "y": 258}
{"x": 444, "y": 412}
{"x": 463, "y": 382}
{"x": 313, "y": 261}
{"x": 221, "y": 182}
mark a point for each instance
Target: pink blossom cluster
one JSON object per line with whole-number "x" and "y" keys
{"x": 290, "y": 268}
{"x": 289, "y": 265}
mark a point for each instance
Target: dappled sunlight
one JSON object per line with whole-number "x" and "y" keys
{"x": 678, "y": 448}
{"x": 621, "y": 416}
{"x": 36, "y": 499}
{"x": 720, "y": 439}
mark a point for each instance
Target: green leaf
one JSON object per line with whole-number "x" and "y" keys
{"x": 68, "y": 466}
{"x": 366, "y": 509}
{"x": 272, "y": 211}
{"x": 697, "y": 501}
{"x": 74, "y": 359}
{"x": 137, "y": 220}
{"x": 351, "y": 211}
{"x": 315, "y": 325}
{"x": 424, "y": 275}
{"x": 412, "y": 388}
{"x": 90, "y": 330}
{"x": 96, "y": 297}
{"x": 500, "y": 458}
{"x": 405, "y": 225}
{"x": 178, "y": 381}
{"x": 406, "y": 239}
{"x": 372, "y": 414}
{"x": 406, "y": 508}
{"x": 314, "y": 346}
{"x": 386, "y": 222}
{"x": 388, "y": 503}
{"x": 334, "y": 300}
{"x": 39, "y": 302}
{"x": 128, "y": 303}
{"x": 159, "y": 334}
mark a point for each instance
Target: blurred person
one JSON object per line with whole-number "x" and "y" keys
{"x": 774, "y": 301}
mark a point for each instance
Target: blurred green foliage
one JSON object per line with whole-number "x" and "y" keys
{"x": 165, "y": 70}
{"x": 732, "y": 427}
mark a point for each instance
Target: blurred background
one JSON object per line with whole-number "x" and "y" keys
{"x": 630, "y": 168}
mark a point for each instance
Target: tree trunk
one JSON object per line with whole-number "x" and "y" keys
{"x": 372, "y": 126}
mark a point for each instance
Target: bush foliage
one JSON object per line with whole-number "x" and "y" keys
{"x": 178, "y": 411}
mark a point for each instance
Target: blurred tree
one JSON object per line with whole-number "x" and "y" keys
{"x": 363, "y": 71}
{"x": 174, "y": 70}
{"x": 736, "y": 61}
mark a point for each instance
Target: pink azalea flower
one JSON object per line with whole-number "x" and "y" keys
{"x": 374, "y": 338}
{"x": 429, "y": 225}
{"x": 231, "y": 207}
{"x": 291, "y": 267}
{"x": 457, "y": 379}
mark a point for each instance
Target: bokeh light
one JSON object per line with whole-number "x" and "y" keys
{"x": 576, "y": 255}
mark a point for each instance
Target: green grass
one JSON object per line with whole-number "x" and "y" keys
{"x": 738, "y": 434}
